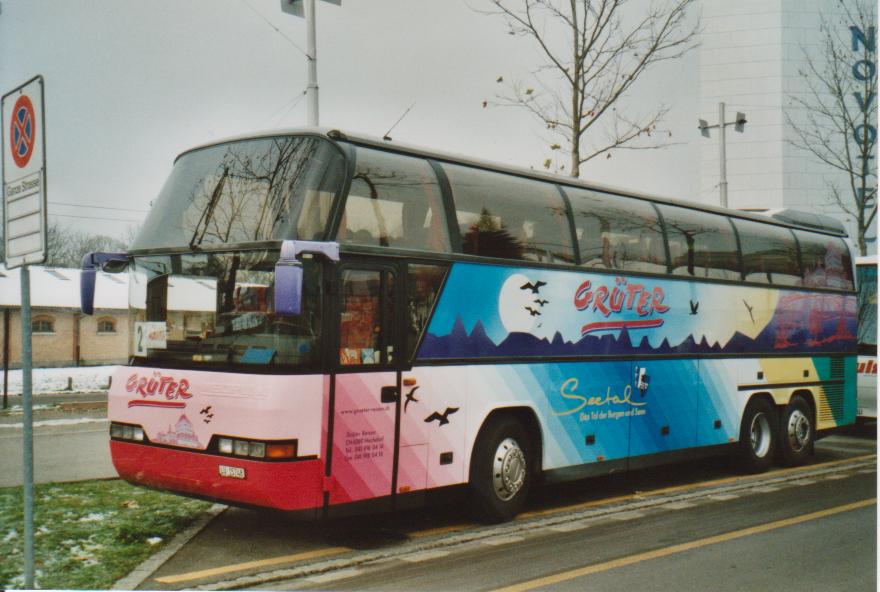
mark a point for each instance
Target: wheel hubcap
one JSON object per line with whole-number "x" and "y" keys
{"x": 508, "y": 469}
{"x": 760, "y": 435}
{"x": 799, "y": 431}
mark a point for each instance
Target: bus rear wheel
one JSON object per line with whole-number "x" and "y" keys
{"x": 757, "y": 436}
{"x": 796, "y": 432}
{"x": 502, "y": 469}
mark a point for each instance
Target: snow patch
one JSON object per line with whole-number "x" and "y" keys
{"x": 94, "y": 517}
{"x": 56, "y": 422}
{"x": 55, "y": 380}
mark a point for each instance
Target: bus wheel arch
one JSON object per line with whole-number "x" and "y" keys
{"x": 797, "y": 429}
{"x": 759, "y": 434}
{"x": 505, "y": 463}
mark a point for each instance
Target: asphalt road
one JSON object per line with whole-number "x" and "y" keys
{"x": 68, "y": 445}
{"x": 750, "y": 542}
{"x": 692, "y": 526}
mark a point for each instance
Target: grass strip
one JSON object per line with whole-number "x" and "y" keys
{"x": 90, "y": 533}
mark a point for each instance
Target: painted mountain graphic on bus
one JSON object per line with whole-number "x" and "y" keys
{"x": 786, "y": 332}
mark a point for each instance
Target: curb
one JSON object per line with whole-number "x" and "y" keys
{"x": 143, "y": 571}
{"x": 82, "y": 405}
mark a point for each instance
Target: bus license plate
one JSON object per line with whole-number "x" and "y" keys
{"x": 233, "y": 472}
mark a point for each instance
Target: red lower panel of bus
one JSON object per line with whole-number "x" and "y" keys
{"x": 282, "y": 485}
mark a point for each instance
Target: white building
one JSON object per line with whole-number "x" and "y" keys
{"x": 751, "y": 56}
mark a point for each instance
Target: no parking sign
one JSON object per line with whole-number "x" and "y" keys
{"x": 24, "y": 174}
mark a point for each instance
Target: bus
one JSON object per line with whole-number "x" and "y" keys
{"x": 866, "y": 280}
{"x": 327, "y": 323}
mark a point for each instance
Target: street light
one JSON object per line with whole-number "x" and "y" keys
{"x": 739, "y": 125}
{"x": 306, "y": 8}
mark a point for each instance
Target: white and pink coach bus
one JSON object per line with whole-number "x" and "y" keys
{"x": 322, "y": 322}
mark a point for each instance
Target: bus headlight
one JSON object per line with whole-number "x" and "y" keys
{"x": 132, "y": 433}
{"x": 224, "y": 446}
{"x": 271, "y": 450}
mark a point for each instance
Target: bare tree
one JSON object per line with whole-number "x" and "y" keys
{"x": 835, "y": 117}
{"x": 593, "y": 53}
{"x": 66, "y": 247}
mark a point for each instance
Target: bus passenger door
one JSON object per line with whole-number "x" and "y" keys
{"x": 433, "y": 413}
{"x": 665, "y": 417}
{"x": 364, "y": 390}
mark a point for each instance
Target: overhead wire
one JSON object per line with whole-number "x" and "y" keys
{"x": 276, "y": 29}
{"x": 296, "y": 100}
{"x": 73, "y": 205}
{"x": 96, "y": 218}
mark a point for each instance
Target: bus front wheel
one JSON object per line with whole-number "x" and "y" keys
{"x": 757, "y": 436}
{"x": 501, "y": 470}
{"x": 796, "y": 432}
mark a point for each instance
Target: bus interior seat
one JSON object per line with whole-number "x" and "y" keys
{"x": 413, "y": 224}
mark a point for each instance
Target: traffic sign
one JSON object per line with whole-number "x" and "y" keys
{"x": 24, "y": 174}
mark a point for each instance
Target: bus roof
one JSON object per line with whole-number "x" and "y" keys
{"x": 371, "y": 141}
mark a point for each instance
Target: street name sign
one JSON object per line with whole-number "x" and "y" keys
{"x": 24, "y": 174}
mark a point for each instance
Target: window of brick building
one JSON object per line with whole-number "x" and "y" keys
{"x": 106, "y": 326}
{"x": 43, "y": 325}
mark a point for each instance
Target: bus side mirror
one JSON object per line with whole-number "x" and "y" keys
{"x": 289, "y": 272}
{"x": 288, "y": 288}
{"x": 110, "y": 262}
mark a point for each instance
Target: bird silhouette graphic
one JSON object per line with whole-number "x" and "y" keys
{"x": 749, "y": 308}
{"x": 532, "y": 311}
{"x": 534, "y": 287}
{"x": 206, "y": 410}
{"x": 410, "y": 398}
{"x": 694, "y": 307}
{"x": 442, "y": 418}
{"x": 541, "y": 302}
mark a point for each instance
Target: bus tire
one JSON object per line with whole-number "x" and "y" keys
{"x": 502, "y": 467}
{"x": 797, "y": 432}
{"x": 757, "y": 436}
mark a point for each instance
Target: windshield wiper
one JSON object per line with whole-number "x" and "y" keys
{"x": 206, "y": 216}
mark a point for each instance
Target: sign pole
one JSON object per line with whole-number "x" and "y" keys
{"x": 24, "y": 232}
{"x": 28, "y": 422}
{"x": 5, "y": 358}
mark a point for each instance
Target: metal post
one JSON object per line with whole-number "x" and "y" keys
{"x": 312, "y": 49}
{"x": 723, "y": 155}
{"x": 28, "y": 424}
{"x": 5, "y": 357}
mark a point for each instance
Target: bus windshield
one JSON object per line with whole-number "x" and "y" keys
{"x": 246, "y": 191}
{"x": 867, "y": 278}
{"x": 216, "y": 310}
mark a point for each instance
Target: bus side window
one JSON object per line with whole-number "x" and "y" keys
{"x": 616, "y": 232}
{"x": 769, "y": 253}
{"x": 394, "y": 201}
{"x": 826, "y": 261}
{"x": 509, "y": 217}
{"x": 366, "y": 317}
{"x": 423, "y": 284}
{"x": 700, "y": 244}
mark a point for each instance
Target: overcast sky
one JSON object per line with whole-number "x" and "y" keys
{"x": 131, "y": 84}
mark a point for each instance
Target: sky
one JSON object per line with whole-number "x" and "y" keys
{"x": 129, "y": 85}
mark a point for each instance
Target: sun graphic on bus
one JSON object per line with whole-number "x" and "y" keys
{"x": 521, "y": 304}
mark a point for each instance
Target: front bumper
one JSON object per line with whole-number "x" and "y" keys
{"x": 293, "y": 485}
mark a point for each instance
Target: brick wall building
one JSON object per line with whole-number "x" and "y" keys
{"x": 62, "y": 336}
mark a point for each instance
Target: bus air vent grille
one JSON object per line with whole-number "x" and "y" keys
{"x": 837, "y": 368}
{"x": 834, "y": 403}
